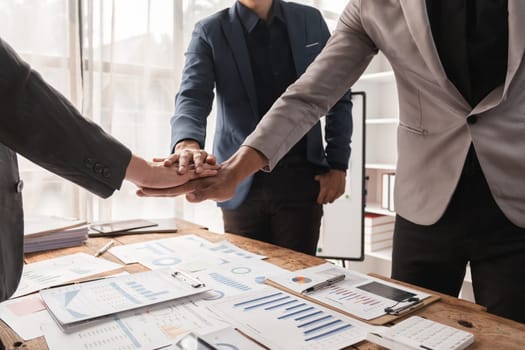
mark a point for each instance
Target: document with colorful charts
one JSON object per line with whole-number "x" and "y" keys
{"x": 73, "y": 304}
{"x": 357, "y": 295}
{"x": 283, "y": 321}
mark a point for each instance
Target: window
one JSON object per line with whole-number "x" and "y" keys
{"x": 120, "y": 62}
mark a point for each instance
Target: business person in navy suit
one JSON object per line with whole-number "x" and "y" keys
{"x": 249, "y": 54}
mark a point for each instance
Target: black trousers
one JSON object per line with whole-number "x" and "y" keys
{"x": 473, "y": 229}
{"x": 281, "y": 208}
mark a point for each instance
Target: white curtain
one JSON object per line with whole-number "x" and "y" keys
{"x": 44, "y": 34}
{"x": 120, "y": 62}
{"x": 130, "y": 70}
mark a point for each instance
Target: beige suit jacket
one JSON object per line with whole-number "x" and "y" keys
{"x": 433, "y": 133}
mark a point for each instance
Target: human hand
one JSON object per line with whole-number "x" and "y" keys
{"x": 220, "y": 187}
{"x": 188, "y": 153}
{"x": 331, "y": 186}
{"x": 156, "y": 175}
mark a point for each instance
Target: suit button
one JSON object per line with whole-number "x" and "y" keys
{"x": 472, "y": 119}
{"x": 98, "y": 168}
{"x": 106, "y": 173}
{"x": 19, "y": 186}
{"x": 89, "y": 162}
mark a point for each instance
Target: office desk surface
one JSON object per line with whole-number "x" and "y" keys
{"x": 491, "y": 332}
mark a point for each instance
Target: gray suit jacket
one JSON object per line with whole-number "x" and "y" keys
{"x": 433, "y": 135}
{"x": 39, "y": 123}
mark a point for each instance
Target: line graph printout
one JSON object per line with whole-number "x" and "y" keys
{"x": 280, "y": 320}
{"x": 73, "y": 304}
{"x": 52, "y": 272}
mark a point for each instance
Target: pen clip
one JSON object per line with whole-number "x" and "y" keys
{"x": 326, "y": 283}
{"x": 192, "y": 281}
{"x": 402, "y": 309}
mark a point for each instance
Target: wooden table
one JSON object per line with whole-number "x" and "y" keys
{"x": 490, "y": 331}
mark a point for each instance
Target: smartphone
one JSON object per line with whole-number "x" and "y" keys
{"x": 120, "y": 226}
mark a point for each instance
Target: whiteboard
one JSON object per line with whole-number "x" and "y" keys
{"x": 342, "y": 235}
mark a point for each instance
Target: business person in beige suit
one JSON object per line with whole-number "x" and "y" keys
{"x": 460, "y": 192}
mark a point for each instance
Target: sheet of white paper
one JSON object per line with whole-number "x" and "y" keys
{"x": 146, "y": 328}
{"x": 52, "y": 272}
{"x": 358, "y": 294}
{"x": 36, "y": 226}
{"x": 236, "y": 277}
{"x": 231, "y": 252}
{"x": 160, "y": 248}
{"x": 229, "y": 338}
{"x": 189, "y": 252}
{"x": 283, "y": 321}
{"x": 79, "y": 302}
{"x": 116, "y": 333}
{"x": 25, "y": 315}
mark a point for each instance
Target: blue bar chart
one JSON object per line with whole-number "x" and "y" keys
{"x": 297, "y": 323}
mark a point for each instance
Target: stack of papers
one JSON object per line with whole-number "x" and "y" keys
{"x": 51, "y": 232}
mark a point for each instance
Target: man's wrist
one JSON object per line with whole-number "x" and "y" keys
{"x": 188, "y": 143}
{"x": 137, "y": 171}
{"x": 245, "y": 162}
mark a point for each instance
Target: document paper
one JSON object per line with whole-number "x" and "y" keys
{"x": 280, "y": 320}
{"x": 84, "y": 301}
{"x": 52, "y": 272}
{"x": 358, "y": 294}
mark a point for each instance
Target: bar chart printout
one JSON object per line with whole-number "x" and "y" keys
{"x": 283, "y": 321}
{"x": 357, "y": 294}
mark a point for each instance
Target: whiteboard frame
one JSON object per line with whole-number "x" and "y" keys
{"x": 327, "y": 249}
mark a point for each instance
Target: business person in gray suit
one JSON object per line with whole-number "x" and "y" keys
{"x": 460, "y": 194}
{"x": 39, "y": 123}
{"x": 250, "y": 53}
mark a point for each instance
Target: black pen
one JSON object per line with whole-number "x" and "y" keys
{"x": 323, "y": 284}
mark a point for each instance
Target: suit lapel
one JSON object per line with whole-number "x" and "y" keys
{"x": 516, "y": 39}
{"x": 296, "y": 27}
{"x": 234, "y": 34}
{"x": 516, "y": 49}
{"x": 419, "y": 26}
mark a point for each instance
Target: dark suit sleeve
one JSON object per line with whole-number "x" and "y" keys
{"x": 39, "y": 123}
{"x": 195, "y": 97}
{"x": 338, "y": 127}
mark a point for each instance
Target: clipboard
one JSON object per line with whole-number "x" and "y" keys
{"x": 306, "y": 276}
{"x": 73, "y": 305}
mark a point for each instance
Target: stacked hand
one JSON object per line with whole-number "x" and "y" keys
{"x": 219, "y": 187}
{"x": 204, "y": 179}
{"x": 156, "y": 175}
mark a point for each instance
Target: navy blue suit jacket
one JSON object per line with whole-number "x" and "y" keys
{"x": 217, "y": 57}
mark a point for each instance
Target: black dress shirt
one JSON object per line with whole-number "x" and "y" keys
{"x": 471, "y": 38}
{"x": 271, "y": 60}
